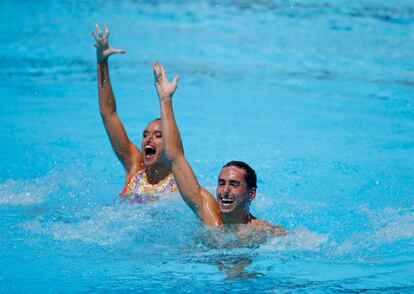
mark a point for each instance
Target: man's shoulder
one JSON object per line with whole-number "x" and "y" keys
{"x": 273, "y": 229}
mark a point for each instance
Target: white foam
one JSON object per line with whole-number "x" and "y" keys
{"x": 386, "y": 227}
{"x": 102, "y": 225}
{"x": 391, "y": 224}
{"x": 24, "y": 192}
{"x": 107, "y": 225}
{"x": 301, "y": 238}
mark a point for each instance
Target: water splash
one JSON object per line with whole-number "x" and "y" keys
{"x": 102, "y": 225}
{"x": 26, "y": 192}
{"x": 301, "y": 238}
{"x": 386, "y": 229}
{"x": 113, "y": 224}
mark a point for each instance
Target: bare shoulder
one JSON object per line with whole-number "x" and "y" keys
{"x": 273, "y": 229}
{"x": 134, "y": 163}
{"x": 208, "y": 200}
{"x": 209, "y": 211}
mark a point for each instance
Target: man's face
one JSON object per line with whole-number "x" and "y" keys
{"x": 232, "y": 193}
{"x": 152, "y": 145}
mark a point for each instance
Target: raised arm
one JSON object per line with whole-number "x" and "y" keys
{"x": 125, "y": 150}
{"x": 197, "y": 198}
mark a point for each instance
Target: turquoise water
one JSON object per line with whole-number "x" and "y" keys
{"x": 317, "y": 96}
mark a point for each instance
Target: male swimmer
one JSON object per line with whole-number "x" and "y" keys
{"x": 236, "y": 186}
{"x": 147, "y": 172}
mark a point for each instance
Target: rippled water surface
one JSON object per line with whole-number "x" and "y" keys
{"x": 316, "y": 95}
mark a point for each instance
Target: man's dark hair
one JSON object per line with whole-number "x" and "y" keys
{"x": 250, "y": 174}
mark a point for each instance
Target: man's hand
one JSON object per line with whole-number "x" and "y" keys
{"x": 103, "y": 50}
{"x": 165, "y": 89}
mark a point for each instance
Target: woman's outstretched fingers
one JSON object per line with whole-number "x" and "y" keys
{"x": 99, "y": 31}
{"x": 120, "y": 51}
{"x": 106, "y": 31}
{"x": 175, "y": 81}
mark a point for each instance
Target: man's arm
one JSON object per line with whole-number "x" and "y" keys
{"x": 125, "y": 150}
{"x": 199, "y": 199}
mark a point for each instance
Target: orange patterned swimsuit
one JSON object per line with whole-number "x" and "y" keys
{"x": 139, "y": 190}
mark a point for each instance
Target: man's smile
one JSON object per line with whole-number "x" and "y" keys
{"x": 226, "y": 201}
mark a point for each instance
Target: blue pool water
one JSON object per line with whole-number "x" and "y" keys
{"x": 316, "y": 95}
